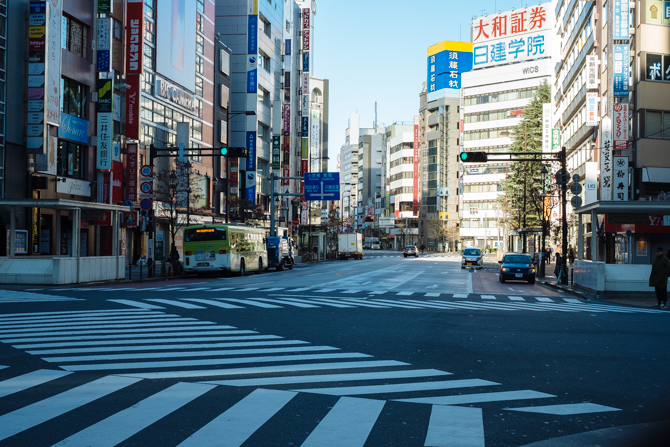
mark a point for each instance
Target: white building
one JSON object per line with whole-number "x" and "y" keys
{"x": 400, "y": 181}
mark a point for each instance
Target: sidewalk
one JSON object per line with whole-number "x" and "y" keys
{"x": 622, "y": 299}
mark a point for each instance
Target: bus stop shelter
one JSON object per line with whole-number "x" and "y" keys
{"x": 42, "y": 269}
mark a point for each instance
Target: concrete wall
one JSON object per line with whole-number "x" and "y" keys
{"x": 602, "y": 277}
{"x": 60, "y": 270}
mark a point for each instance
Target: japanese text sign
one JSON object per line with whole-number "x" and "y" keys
{"x": 606, "y": 160}
{"x": 512, "y": 23}
{"x": 621, "y": 66}
{"x": 592, "y": 109}
{"x": 134, "y": 36}
{"x": 621, "y": 18}
{"x": 620, "y": 179}
{"x": 620, "y": 124}
{"x": 446, "y": 61}
{"x": 512, "y": 49}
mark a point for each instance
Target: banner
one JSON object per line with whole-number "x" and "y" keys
{"x": 621, "y": 67}
{"x": 620, "y": 179}
{"x": 104, "y": 150}
{"x": 620, "y": 123}
{"x": 592, "y": 79}
{"x": 131, "y": 172}
{"x": 417, "y": 155}
{"x": 590, "y": 182}
{"x": 592, "y": 109}
{"x": 546, "y": 127}
{"x": 606, "y": 160}
{"x": 276, "y": 152}
{"x": 134, "y": 36}
{"x": 53, "y": 91}
{"x": 133, "y": 107}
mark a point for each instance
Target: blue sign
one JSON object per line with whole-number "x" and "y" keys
{"x": 252, "y": 81}
{"x": 251, "y": 145}
{"x": 73, "y": 128}
{"x": 287, "y": 47}
{"x": 304, "y": 128}
{"x": 252, "y": 41}
{"x": 621, "y": 16}
{"x": 322, "y": 186}
{"x": 250, "y": 190}
{"x": 305, "y": 61}
{"x": 621, "y": 66}
{"x": 103, "y": 60}
{"x": 38, "y": 8}
{"x": 666, "y": 8}
{"x": 445, "y": 68}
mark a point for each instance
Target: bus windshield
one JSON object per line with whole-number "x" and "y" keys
{"x": 205, "y": 234}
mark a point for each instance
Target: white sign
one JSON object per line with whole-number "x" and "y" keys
{"x": 54, "y": 62}
{"x": 305, "y": 105}
{"x": 315, "y": 134}
{"x": 592, "y": 79}
{"x": 620, "y": 122}
{"x": 546, "y": 127}
{"x": 511, "y": 49}
{"x": 305, "y": 84}
{"x": 512, "y": 23}
{"x": 105, "y": 133}
{"x": 72, "y": 186}
{"x": 606, "y": 160}
{"x": 592, "y": 109}
{"x": 620, "y": 179}
{"x": 591, "y": 177}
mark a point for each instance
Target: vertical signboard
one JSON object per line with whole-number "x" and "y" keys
{"x": 590, "y": 182}
{"x": 446, "y": 61}
{"x": 620, "y": 179}
{"x": 592, "y": 72}
{"x": 287, "y": 119}
{"x": 252, "y": 36}
{"x": 621, "y": 24}
{"x": 305, "y": 61}
{"x": 546, "y": 127}
{"x": 250, "y": 178}
{"x": 305, "y": 39}
{"x": 620, "y": 126}
{"x": 417, "y": 154}
{"x": 621, "y": 66}
{"x": 606, "y": 160}
{"x": 133, "y": 107}
{"x": 315, "y": 133}
{"x": 276, "y": 152}
{"x": 105, "y": 132}
{"x": 36, "y": 129}
{"x": 555, "y": 140}
{"x": 104, "y": 45}
{"x": 306, "y": 18}
{"x": 131, "y": 172}
{"x": 592, "y": 109}
{"x": 134, "y": 36}
{"x": 53, "y": 40}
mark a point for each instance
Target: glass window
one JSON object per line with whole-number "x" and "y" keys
{"x": 653, "y": 124}
{"x": 70, "y": 160}
{"x": 225, "y": 96}
{"x": 224, "y": 62}
{"x": 74, "y": 36}
{"x": 73, "y": 98}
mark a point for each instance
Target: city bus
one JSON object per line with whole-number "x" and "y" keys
{"x": 224, "y": 248}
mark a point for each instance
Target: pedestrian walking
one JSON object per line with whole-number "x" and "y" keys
{"x": 571, "y": 255}
{"x": 548, "y": 254}
{"x": 658, "y": 279}
{"x": 558, "y": 269}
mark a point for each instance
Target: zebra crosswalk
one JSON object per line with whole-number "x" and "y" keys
{"x": 16, "y": 296}
{"x": 267, "y": 379}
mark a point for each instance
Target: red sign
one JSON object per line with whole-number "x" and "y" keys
{"x": 296, "y": 221}
{"x": 620, "y": 126}
{"x": 133, "y": 107}
{"x": 286, "y": 173}
{"x": 234, "y": 174}
{"x": 131, "y": 192}
{"x": 287, "y": 144}
{"x": 36, "y": 44}
{"x": 134, "y": 36}
{"x": 304, "y": 166}
{"x": 305, "y": 40}
{"x": 510, "y": 23}
{"x": 130, "y": 219}
{"x": 415, "y": 199}
{"x": 287, "y": 119}
{"x": 305, "y": 18}
{"x": 117, "y": 181}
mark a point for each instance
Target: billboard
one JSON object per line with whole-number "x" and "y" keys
{"x": 417, "y": 155}
{"x": 134, "y": 36}
{"x": 621, "y": 67}
{"x": 620, "y": 124}
{"x": 606, "y": 160}
{"x": 53, "y": 92}
{"x": 446, "y": 61}
{"x": 175, "y": 37}
{"x": 621, "y": 19}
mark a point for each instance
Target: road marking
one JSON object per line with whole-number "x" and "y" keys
{"x": 78, "y": 322}
{"x": 214, "y": 303}
{"x": 516, "y": 298}
{"x": 488, "y": 297}
{"x": 399, "y": 387}
{"x": 455, "y": 426}
{"x": 29, "y": 380}
{"x": 253, "y": 303}
{"x": 322, "y": 378}
{"x": 288, "y": 303}
{"x": 301, "y": 289}
{"x": 176, "y": 303}
{"x": 460, "y": 295}
{"x": 168, "y": 290}
{"x": 405, "y": 293}
{"x": 351, "y": 291}
{"x": 378, "y": 292}
{"x": 322, "y": 302}
{"x": 247, "y": 289}
{"x": 572, "y": 300}
{"x": 52, "y": 407}
{"x": 221, "y": 289}
{"x": 274, "y": 289}
{"x": 137, "y": 304}
{"x": 392, "y": 303}
{"x": 511, "y": 289}
{"x": 241, "y": 420}
{"x": 325, "y": 290}
{"x": 126, "y": 423}
{"x": 479, "y": 398}
{"x": 544, "y": 299}
{"x": 112, "y": 328}
{"x": 364, "y": 303}
{"x": 348, "y": 423}
{"x": 566, "y": 409}
{"x": 270, "y": 369}
{"x": 433, "y": 294}
{"x": 333, "y": 303}
{"x": 204, "y": 362}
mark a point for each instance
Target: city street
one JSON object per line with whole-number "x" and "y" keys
{"x": 385, "y": 351}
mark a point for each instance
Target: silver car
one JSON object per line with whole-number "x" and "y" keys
{"x": 472, "y": 257}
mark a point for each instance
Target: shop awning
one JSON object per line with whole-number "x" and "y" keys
{"x": 630, "y": 207}
{"x": 62, "y": 204}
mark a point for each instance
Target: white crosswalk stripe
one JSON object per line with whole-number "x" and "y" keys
{"x": 15, "y": 296}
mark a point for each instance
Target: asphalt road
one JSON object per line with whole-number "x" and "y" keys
{"x": 385, "y": 351}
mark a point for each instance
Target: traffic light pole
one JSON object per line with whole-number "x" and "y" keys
{"x": 564, "y": 223}
{"x": 273, "y": 194}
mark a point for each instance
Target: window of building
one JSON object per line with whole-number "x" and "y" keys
{"x": 658, "y": 67}
{"x": 316, "y": 96}
{"x": 224, "y": 95}
{"x": 499, "y": 97}
{"x": 263, "y": 132}
{"x": 657, "y": 124}
{"x": 73, "y": 98}
{"x": 199, "y": 64}
{"x": 224, "y": 62}
{"x": 265, "y": 25}
{"x": 70, "y": 159}
{"x": 149, "y": 31}
{"x": 74, "y": 36}
{"x": 149, "y": 60}
{"x": 264, "y": 61}
{"x": 200, "y": 21}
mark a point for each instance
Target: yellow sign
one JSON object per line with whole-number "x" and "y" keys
{"x": 305, "y": 148}
{"x": 36, "y": 32}
{"x": 547, "y": 207}
{"x": 447, "y": 45}
{"x": 444, "y": 216}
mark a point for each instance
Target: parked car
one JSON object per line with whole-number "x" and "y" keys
{"x": 517, "y": 267}
{"x": 410, "y": 250}
{"x": 472, "y": 257}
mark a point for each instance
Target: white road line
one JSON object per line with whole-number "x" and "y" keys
{"x": 253, "y": 303}
{"x": 392, "y": 303}
{"x": 171, "y": 289}
{"x": 516, "y": 298}
{"x": 66, "y": 323}
{"x": 301, "y": 289}
{"x": 455, "y": 426}
{"x": 274, "y": 289}
{"x": 288, "y": 303}
{"x": 566, "y": 409}
{"x": 241, "y": 420}
{"x": 173, "y": 355}
{"x": 214, "y": 303}
{"x": 197, "y": 289}
{"x": 137, "y": 304}
{"x": 511, "y": 289}
{"x": 488, "y": 297}
{"x": 47, "y": 409}
{"x": 124, "y": 424}
{"x": 378, "y": 292}
{"x": 479, "y": 398}
{"x": 405, "y": 293}
{"x": 322, "y": 378}
{"x": 78, "y": 314}
{"x": 351, "y": 291}
{"x": 29, "y": 380}
{"x": 221, "y": 289}
{"x": 348, "y": 423}
{"x": 333, "y": 303}
{"x": 434, "y": 304}
{"x": 313, "y": 302}
{"x": 544, "y": 299}
{"x": 176, "y": 303}
{"x": 324, "y": 290}
{"x": 470, "y": 284}
{"x": 153, "y": 347}
{"x": 432, "y": 294}
{"x": 364, "y": 303}
{"x": 108, "y": 329}
{"x": 233, "y": 361}
{"x": 277, "y": 369}
{"x": 460, "y": 295}
{"x": 572, "y": 301}
{"x": 248, "y": 289}
{"x": 3, "y": 366}
{"x": 399, "y": 387}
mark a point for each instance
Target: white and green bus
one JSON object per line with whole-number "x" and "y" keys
{"x": 224, "y": 248}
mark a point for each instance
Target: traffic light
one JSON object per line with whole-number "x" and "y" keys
{"x": 473, "y": 157}
{"x": 235, "y": 152}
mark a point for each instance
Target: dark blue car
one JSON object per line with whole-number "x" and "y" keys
{"x": 517, "y": 267}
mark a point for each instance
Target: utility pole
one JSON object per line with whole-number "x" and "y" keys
{"x": 564, "y": 222}
{"x": 525, "y": 192}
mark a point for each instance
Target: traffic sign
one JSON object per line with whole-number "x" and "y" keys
{"x": 322, "y": 186}
{"x": 146, "y": 204}
{"x": 562, "y": 177}
{"x": 576, "y": 189}
{"x": 576, "y": 178}
{"x": 146, "y": 187}
{"x": 296, "y": 221}
{"x": 576, "y": 201}
{"x": 146, "y": 171}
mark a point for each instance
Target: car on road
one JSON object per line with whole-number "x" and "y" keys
{"x": 472, "y": 257}
{"x": 518, "y": 267}
{"x": 410, "y": 250}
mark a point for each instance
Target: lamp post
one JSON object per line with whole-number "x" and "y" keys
{"x": 544, "y": 173}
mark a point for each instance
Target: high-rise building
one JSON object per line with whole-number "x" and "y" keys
{"x": 398, "y": 182}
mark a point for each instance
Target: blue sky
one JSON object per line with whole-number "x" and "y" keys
{"x": 374, "y": 50}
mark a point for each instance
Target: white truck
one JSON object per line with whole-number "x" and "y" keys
{"x": 350, "y": 245}
{"x": 372, "y": 243}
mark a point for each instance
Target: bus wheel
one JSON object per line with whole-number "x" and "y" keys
{"x": 242, "y": 268}
{"x": 260, "y": 266}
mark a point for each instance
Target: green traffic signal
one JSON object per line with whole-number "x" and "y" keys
{"x": 464, "y": 156}
{"x": 473, "y": 157}
{"x": 224, "y": 151}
